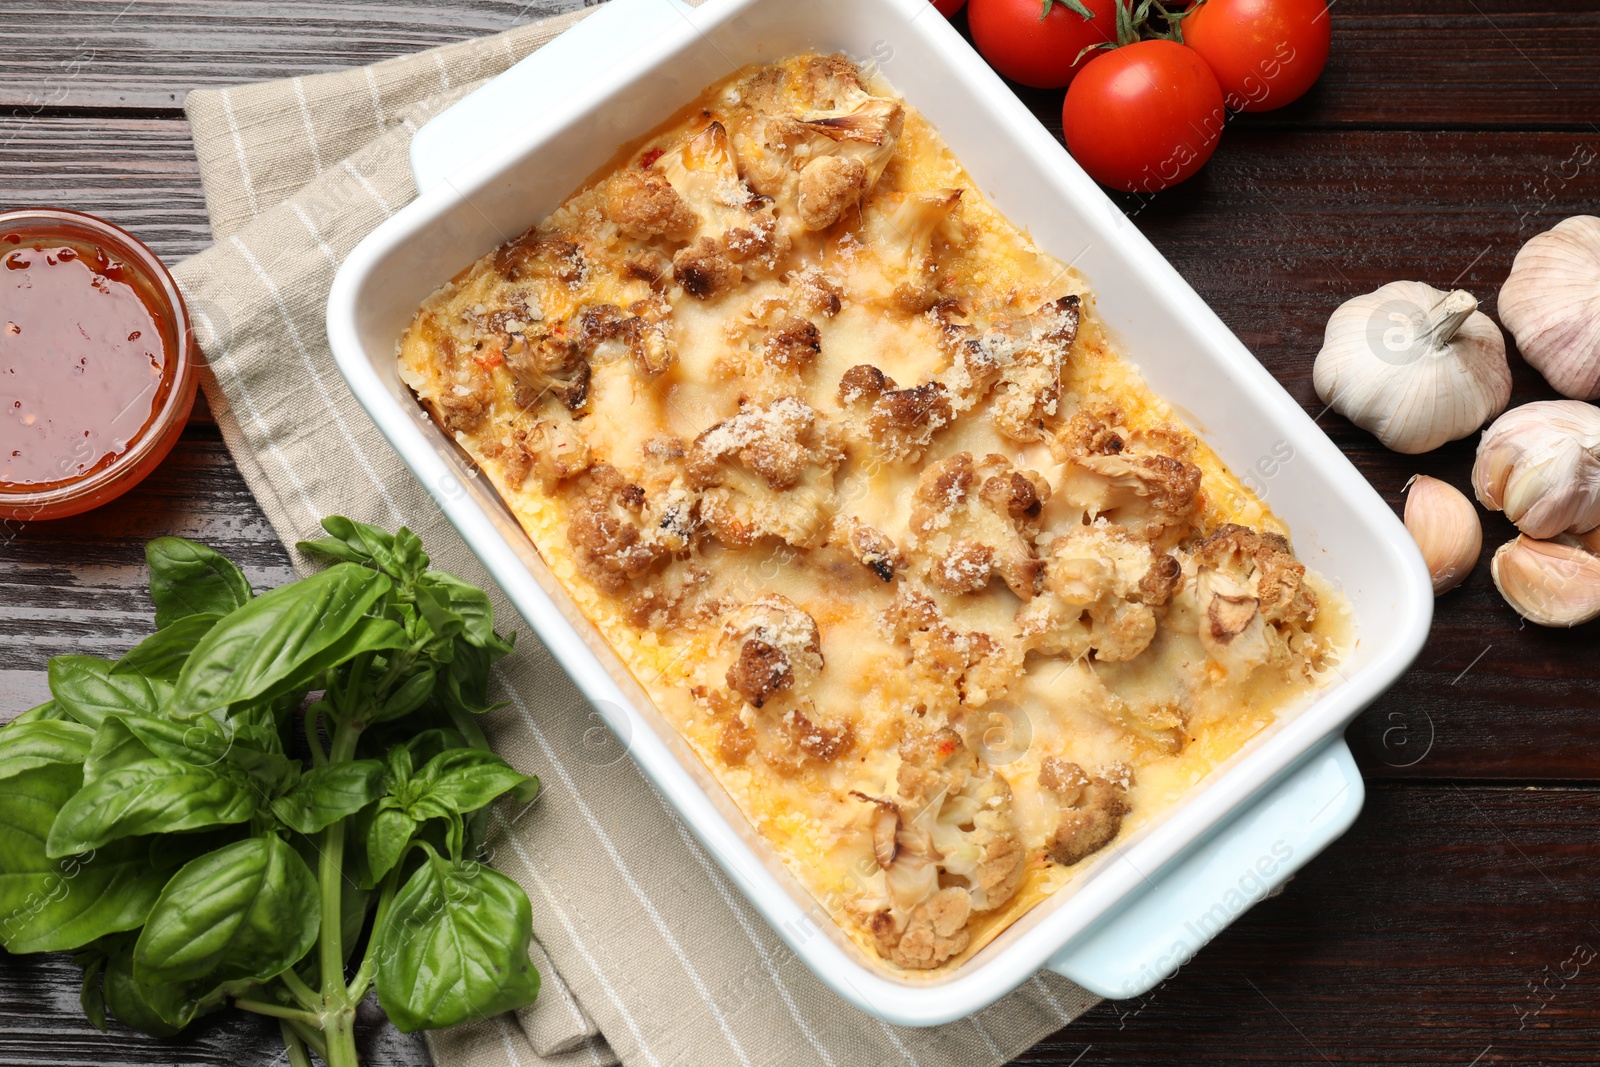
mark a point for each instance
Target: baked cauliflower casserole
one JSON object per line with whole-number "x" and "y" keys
{"x": 847, "y": 473}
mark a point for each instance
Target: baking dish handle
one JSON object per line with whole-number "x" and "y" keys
{"x": 1197, "y": 895}
{"x": 602, "y": 40}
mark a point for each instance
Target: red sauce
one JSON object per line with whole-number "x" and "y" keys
{"x": 85, "y": 354}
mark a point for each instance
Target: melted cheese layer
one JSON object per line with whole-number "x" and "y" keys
{"x": 942, "y": 638}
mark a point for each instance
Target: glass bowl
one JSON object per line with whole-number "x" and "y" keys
{"x": 175, "y": 393}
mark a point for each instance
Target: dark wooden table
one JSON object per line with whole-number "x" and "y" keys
{"x": 1455, "y": 924}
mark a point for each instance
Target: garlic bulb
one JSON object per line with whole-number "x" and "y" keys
{"x": 1445, "y": 526}
{"x": 1540, "y": 464}
{"x": 1548, "y": 582}
{"x": 1414, "y": 365}
{"x": 1551, "y": 305}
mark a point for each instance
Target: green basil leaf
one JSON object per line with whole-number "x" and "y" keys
{"x": 114, "y": 748}
{"x": 163, "y": 654}
{"x": 86, "y": 689}
{"x": 156, "y": 796}
{"x": 434, "y": 604}
{"x": 272, "y": 773}
{"x": 49, "y": 710}
{"x": 472, "y": 605}
{"x": 244, "y": 913}
{"x": 251, "y": 750}
{"x": 397, "y": 769}
{"x": 408, "y": 552}
{"x": 48, "y": 904}
{"x": 422, "y": 747}
{"x": 91, "y": 995}
{"x": 388, "y": 835}
{"x": 190, "y": 579}
{"x": 358, "y": 542}
{"x": 126, "y": 1000}
{"x": 127, "y": 739}
{"x": 333, "y": 548}
{"x": 454, "y": 947}
{"x": 283, "y": 638}
{"x": 411, "y": 695}
{"x": 328, "y": 793}
{"x": 466, "y": 681}
{"x": 24, "y": 746}
{"x": 462, "y": 780}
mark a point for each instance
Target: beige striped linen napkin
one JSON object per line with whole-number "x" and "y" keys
{"x": 649, "y": 954}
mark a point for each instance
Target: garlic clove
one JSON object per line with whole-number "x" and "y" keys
{"x": 1445, "y": 526}
{"x": 1414, "y": 365}
{"x": 1551, "y": 305}
{"x": 1540, "y": 464}
{"x": 1548, "y": 582}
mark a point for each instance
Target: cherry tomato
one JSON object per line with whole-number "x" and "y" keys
{"x": 1265, "y": 53}
{"x": 1041, "y": 52}
{"x": 948, "y": 8}
{"x": 1143, "y": 117}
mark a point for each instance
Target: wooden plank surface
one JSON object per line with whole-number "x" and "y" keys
{"x": 1445, "y": 928}
{"x": 1417, "y": 62}
{"x": 149, "y": 53}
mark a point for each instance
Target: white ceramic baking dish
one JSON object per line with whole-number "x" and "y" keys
{"x": 504, "y": 157}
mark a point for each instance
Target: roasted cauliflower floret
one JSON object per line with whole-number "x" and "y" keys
{"x": 809, "y": 737}
{"x": 819, "y": 164}
{"x": 873, "y": 549}
{"x": 1104, "y": 592}
{"x": 1029, "y": 388}
{"x": 767, "y": 472}
{"x": 793, "y": 345}
{"x": 1142, "y": 481}
{"x": 738, "y": 232}
{"x": 898, "y": 423}
{"x": 829, "y": 82}
{"x": 1016, "y": 360}
{"x": 642, "y": 332}
{"x": 552, "y": 448}
{"x": 974, "y": 666}
{"x": 620, "y": 533}
{"x": 902, "y": 233}
{"x": 769, "y": 354}
{"x": 777, "y": 643}
{"x": 645, "y": 206}
{"x": 703, "y": 172}
{"x": 769, "y": 351}
{"x": 971, "y": 521}
{"x": 705, "y": 269}
{"x": 946, "y": 845}
{"x": 1246, "y": 599}
{"x": 1092, "y": 808}
{"x": 775, "y": 656}
{"x": 829, "y": 186}
{"x": 817, "y": 292}
{"x": 545, "y": 255}
{"x": 669, "y": 600}
{"x": 549, "y": 364}
{"x": 862, "y": 383}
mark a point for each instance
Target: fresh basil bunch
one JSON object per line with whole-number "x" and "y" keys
{"x": 156, "y": 820}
